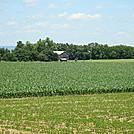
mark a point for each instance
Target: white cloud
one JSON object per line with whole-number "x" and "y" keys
{"x": 99, "y": 7}
{"x": 121, "y": 33}
{"x": 13, "y": 17}
{"x": 36, "y": 16}
{"x": 55, "y": 25}
{"x": 41, "y": 24}
{"x": 68, "y": 5}
{"x": 52, "y": 6}
{"x": 6, "y": 10}
{"x": 36, "y": 25}
{"x": 95, "y": 33}
{"x": 1, "y": 33}
{"x": 28, "y": 26}
{"x": 65, "y": 26}
{"x": 31, "y": 31}
{"x": 60, "y": 26}
{"x": 18, "y": 32}
{"x": 30, "y": 3}
{"x": 62, "y": 15}
{"x": 26, "y": 31}
{"x": 84, "y": 16}
{"x": 111, "y": 17}
{"x": 109, "y": 31}
{"x": 132, "y": 15}
{"x": 11, "y": 23}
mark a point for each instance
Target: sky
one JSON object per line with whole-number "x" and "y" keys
{"x": 67, "y": 21}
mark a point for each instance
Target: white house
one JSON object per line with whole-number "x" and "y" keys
{"x": 63, "y": 56}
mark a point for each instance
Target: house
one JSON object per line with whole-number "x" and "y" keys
{"x": 63, "y": 56}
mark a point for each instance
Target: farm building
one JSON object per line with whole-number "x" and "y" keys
{"x": 63, "y": 56}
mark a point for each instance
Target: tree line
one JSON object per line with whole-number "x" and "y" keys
{"x": 42, "y": 50}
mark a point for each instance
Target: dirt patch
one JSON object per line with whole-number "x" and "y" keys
{"x": 14, "y": 131}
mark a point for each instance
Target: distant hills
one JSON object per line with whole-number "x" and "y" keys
{"x": 8, "y": 47}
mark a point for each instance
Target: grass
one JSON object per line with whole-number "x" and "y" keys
{"x": 107, "y": 60}
{"x": 99, "y": 113}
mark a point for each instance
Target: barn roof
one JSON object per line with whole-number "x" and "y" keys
{"x": 59, "y": 52}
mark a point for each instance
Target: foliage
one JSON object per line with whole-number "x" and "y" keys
{"x": 9, "y": 57}
{"x": 26, "y": 79}
{"x": 83, "y": 114}
{"x": 2, "y": 52}
{"x": 43, "y": 51}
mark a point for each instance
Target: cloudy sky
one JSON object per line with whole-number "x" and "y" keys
{"x": 74, "y": 21}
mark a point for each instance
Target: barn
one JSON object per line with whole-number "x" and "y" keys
{"x": 63, "y": 56}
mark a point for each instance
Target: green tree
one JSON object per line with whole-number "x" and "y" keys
{"x": 9, "y": 57}
{"x": 22, "y": 54}
{"x": 42, "y": 57}
{"x": 33, "y": 55}
{"x": 48, "y": 55}
{"x": 2, "y": 52}
{"x": 19, "y": 44}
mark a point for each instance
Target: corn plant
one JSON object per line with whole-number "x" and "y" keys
{"x": 26, "y": 79}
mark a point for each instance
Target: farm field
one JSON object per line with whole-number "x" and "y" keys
{"x": 108, "y": 60}
{"x": 111, "y": 113}
{"x": 27, "y": 79}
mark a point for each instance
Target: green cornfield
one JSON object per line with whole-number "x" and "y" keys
{"x": 29, "y": 79}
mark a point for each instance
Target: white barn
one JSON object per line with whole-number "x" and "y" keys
{"x": 63, "y": 56}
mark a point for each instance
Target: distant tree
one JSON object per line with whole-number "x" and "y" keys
{"x": 20, "y": 44}
{"x": 48, "y": 55}
{"x": 41, "y": 45}
{"x": 53, "y": 56}
{"x": 22, "y": 54}
{"x": 33, "y": 55}
{"x": 43, "y": 51}
{"x": 2, "y": 52}
{"x": 42, "y": 57}
{"x": 29, "y": 46}
{"x": 9, "y": 57}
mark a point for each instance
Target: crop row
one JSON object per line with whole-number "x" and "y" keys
{"x": 26, "y": 79}
{"x": 79, "y": 114}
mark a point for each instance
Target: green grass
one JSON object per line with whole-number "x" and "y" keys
{"x": 26, "y": 79}
{"x": 84, "y": 114}
{"x": 107, "y": 60}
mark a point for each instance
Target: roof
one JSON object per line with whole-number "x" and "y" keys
{"x": 59, "y": 52}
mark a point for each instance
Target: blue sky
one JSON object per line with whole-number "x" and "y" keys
{"x": 73, "y": 21}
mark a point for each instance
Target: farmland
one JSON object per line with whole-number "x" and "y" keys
{"x": 109, "y": 60}
{"x": 27, "y": 79}
{"x": 84, "y": 108}
{"x": 111, "y": 113}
